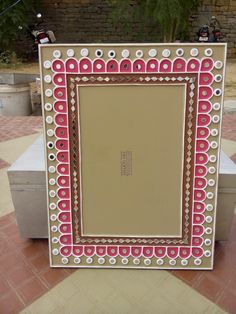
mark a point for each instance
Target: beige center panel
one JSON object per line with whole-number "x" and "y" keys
{"x": 132, "y": 159}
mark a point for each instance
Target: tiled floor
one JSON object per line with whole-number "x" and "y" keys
{"x": 3, "y": 164}
{"x": 24, "y": 268}
{"x": 218, "y": 285}
{"x": 229, "y": 127}
{"x": 25, "y": 276}
{"x": 13, "y": 127}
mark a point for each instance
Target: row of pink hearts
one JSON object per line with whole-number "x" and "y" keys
{"x": 136, "y": 251}
{"x": 86, "y": 65}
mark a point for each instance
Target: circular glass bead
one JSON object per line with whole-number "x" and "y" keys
{"x": 47, "y": 78}
{"x": 124, "y": 261}
{"x": 179, "y": 52}
{"x": 125, "y": 53}
{"x": 70, "y": 52}
{"x": 217, "y": 92}
{"x": 89, "y": 260}
{"x": 139, "y": 53}
{"x": 208, "y": 230}
{"x": 48, "y": 92}
{"x": 56, "y": 54}
{"x": 101, "y": 260}
{"x": 194, "y": 52}
{"x": 166, "y": 53}
{"x": 184, "y": 262}
{"x": 209, "y": 207}
{"x": 218, "y": 78}
{"x": 47, "y": 64}
{"x": 52, "y": 181}
{"x": 209, "y": 219}
{"x": 208, "y": 52}
{"x": 111, "y": 54}
{"x": 112, "y": 261}
{"x": 64, "y": 260}
{"x": 212, "y": 158}
{"x": 216, "y": 106}
{"x": 172, "y": 262}
{"x": 84, "y": 52}
{"x": 212, "y": 170}
{"x": 52, "y": 206}
{"x": 152, "y": 53}
{"x": 77, "y": 260}
{"x": 52, "y": 193}
{"x": 48, "y": 106}
{"x": 211, "y": 182}
{"x": 52, "y": 169}
{"x": 98, "y": 53}
{"x": 54, "y": 229}
{"x": 197, "y": 261}
{"x": 55, "y": 240}
{"x": 55, "y": 251}
{"x": 147, "y": 261}
{"x": 136, "y": 261}
{"x": 218, "y": 64}
{"x": 210, "y": 195}
{"x": 214, "y": 145}
{"x": 160, "y": 261}
{"x": 53, "y": 217}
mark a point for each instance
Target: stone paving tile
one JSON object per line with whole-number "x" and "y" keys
{"x": 13, "y": 127}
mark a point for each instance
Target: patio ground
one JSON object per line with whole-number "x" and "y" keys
{"x": 27, "y": 283}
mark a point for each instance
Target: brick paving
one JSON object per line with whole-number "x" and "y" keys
{"x": 233, "y": 158}
{"x": 3, "y": 164}
{"x": 14, "y": 127}
{"x": 229, "y": 127}
{"x": 25, "y": 274}
{"x": 218, "y": 285}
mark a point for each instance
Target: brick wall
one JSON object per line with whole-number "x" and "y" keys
{"x": 225, "y": 12}
{"x": 91, "y": 21}
{"x": 85, "y": 21}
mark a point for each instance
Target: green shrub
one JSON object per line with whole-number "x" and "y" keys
{"x": 9, "y": 59}
{"x": 10, "y": 22}
{"x": 170, "y": 18}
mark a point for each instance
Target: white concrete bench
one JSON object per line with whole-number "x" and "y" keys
{"x": 28, "y": 188}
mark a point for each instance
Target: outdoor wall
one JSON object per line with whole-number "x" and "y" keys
{"x": 91, "y": 21}
{"x": 84, "y": 21}
{"x": 225, "y": 12}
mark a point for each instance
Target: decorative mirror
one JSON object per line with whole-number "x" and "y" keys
{"x": 132, "y": 135}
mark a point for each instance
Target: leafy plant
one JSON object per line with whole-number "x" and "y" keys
{"x": 169, "y": 17}
{"x": 9, "y": 59}
{"x": 12, "y": 21}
